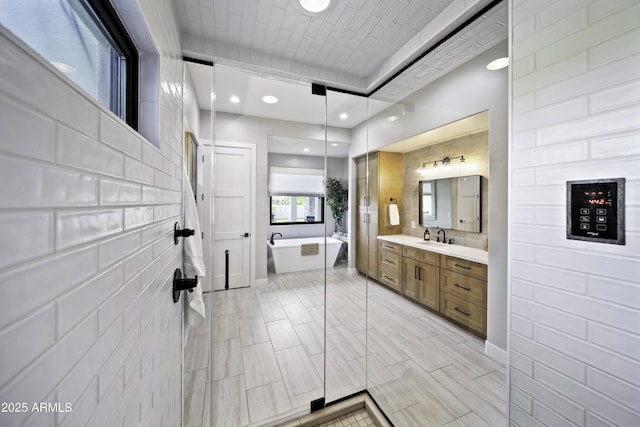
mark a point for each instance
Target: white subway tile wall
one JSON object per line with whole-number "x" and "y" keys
{"x": 87, "y": 208}
{"x": 575, "y": 306}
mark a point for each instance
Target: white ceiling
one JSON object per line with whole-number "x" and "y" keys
{"x": 296, "y": 103}
{"x": 273, "y": 47}
{"x": 355, "y": 45}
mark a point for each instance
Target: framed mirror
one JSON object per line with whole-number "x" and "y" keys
{"x": 451, "y": 203}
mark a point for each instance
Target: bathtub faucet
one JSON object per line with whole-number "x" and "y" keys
{"x": 273, "y": 234}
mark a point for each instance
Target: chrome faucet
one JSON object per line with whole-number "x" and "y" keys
{"x": 444, "y": 236}
{"x": 273, "y": 234}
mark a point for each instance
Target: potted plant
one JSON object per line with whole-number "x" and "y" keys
{"x": 337, "y": 200}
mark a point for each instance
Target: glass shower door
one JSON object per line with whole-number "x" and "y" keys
{"x": 268, "y": 360}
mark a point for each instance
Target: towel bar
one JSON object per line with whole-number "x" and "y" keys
{"x": 182, "y": 284}
{"x": 185, "y": 232}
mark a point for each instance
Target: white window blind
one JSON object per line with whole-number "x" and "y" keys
{"x": 296, "y": 181}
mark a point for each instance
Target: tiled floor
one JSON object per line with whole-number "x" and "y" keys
{"x": 359, "y": 418}
{"x": 269, "y": 344}
{"x": 197, "y": 401}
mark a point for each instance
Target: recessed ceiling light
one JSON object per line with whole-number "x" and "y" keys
{"x": 234, "y": 99}
{"x": 334, "y": 144}
{"x": 498, "y": 64}
{"x": 344, "y": 116}
{"x": 392, "y": 118}
{"x": 269, "y": 99}
{"x": 65, "y": 68}
{"x": 306, "y": 150}
{"x": 314, "y": 6}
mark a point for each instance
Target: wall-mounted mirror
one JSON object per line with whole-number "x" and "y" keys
{"x": 451, "y": 203}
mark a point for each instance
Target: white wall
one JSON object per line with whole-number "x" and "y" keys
{"x": 254, "y": 130}
{"x": 575, "y": 306}
{"x": 86, "y": 215}
{"x": 467, "y": 90}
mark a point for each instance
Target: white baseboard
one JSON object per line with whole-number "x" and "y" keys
{"x": 260, "y": 282}
{"x": 496, "y": 353}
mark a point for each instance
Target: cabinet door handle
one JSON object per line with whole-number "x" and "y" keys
{"x": 389, "y": 278}
{"x": 462, "y": 266}
{"x": 461, "y": 287}
{"x": 415, "y": 272}
{"x": 388, "y": 247}
{"x": 465, "y": 313}
{"x": 389, "y": 261}
{"x": 419, "y": 273}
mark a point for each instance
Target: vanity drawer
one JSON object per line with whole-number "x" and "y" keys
{"x": 464, "y": 312}
{"x": 432, "y": 258}
{"x": 468, "y": 268}
{"x": 390, "y": 276}
{"x": 383, "y": 245}
{"x": 464, "y": 287}
{"x": 389, "y": 259}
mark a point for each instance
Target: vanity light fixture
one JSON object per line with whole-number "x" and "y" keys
{"x": 234, "y": 99}
{"x": 344, "y": 116}
{"x": 446, "y": 161}
{"x": 498, "y": 64}
{"x": 314, "y": 6}
{"x": 269, "y": 99}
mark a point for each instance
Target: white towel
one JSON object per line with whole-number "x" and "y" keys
{"x": 193, "y": 258}
{"x": 394, "y": 215}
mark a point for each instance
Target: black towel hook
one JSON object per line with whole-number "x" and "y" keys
{"x": 184, "y": 232}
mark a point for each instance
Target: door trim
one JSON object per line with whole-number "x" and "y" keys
{"x": 252, "y": 215}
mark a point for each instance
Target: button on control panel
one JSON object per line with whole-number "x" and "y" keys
{"x": 595, "y": 210}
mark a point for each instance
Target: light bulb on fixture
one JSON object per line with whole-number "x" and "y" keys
{"x": 314, "y": 6}
{"x": 269, "y": 99}
{"x": 498, "y": 64}
{"x": 446, "y": 162}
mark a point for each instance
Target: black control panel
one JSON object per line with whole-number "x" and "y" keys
{"x": 595, "y": 210}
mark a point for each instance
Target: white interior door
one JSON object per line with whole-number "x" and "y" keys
{"x": 232, "y": 217}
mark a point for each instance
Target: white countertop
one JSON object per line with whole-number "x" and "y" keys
{"x": 458, "y": 251}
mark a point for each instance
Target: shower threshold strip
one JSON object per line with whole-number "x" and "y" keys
{"x": 337, "y": 410}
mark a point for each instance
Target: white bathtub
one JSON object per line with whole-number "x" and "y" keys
{"x": 287, "y": 254}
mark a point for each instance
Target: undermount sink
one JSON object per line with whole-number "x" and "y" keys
{"x": 431, "y": 242}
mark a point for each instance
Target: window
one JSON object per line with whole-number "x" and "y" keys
{"x": 297, "y": 195}
{"x": 297, "y": 210}
{"x": 86, "y": 41}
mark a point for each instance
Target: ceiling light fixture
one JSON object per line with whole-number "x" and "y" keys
{"x": 306, "y": 150}
{"x": 344, "y": 116}
{"x": 446, "y": 161}
{"x": 269, "y": 99}
{"x": 392, "y": 118}
{"x": 314, "y": 6}
{"x": 234, "y": 99}
{"x": 65, "y": 68}
{"x": 334, "y": 144}
{"x": 498, "y": 64}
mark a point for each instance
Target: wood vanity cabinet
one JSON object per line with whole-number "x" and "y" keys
{"x": 384, "y": 182}
{"x": 421, "y": 276}
{"x": 389, "y": 261}
{"x": 463, "y": 292}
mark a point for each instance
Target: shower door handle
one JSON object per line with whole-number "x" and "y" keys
{"x": 244, "y": 235}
